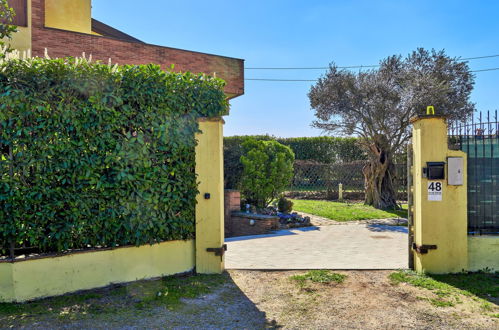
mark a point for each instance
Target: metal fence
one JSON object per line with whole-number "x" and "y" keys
{"x": 321, "y": 181}
{"x": 479, "y": 139}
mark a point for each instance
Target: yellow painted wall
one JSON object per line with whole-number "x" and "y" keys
{"x": 442, "y": 223}
{"x": 209, "y": 212}
{"x": 32, "y": 279}
{"x": 6, "y": 282}
{"x": 483, "y": 252}
{"x": 72, "y": 15}
{"x": 21, "y": 40}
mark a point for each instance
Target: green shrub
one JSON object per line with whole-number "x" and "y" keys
{"x": 94, "y": 155}
{"x": 267, "y": 171}
{"x": 233, "y": 150}
{"x": 284, "y": 205}
{"x": 323, "y": 149}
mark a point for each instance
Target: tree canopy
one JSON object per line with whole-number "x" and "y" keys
{"x": 377, "y": 105}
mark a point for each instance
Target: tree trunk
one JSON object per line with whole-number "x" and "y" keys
{"x": 379, "y": 175}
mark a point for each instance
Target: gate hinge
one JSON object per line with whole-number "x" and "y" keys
{"x": 422, "y": 249}
{"x": 218, "y": 251}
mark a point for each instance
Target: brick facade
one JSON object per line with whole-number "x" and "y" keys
{"x": 61, "y": 43}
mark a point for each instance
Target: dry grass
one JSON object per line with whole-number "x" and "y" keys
{"x": 272, "y": 299}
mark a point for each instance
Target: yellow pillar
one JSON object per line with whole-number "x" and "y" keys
{"x": 209, "y": 208}
{"x": 440, "y": 217}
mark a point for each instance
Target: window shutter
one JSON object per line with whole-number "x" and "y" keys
{"x": 21, "y": 9}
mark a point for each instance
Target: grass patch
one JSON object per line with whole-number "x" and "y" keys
{"x": 173, "y": 289}
{"x": 319, "y": 276}
{"x": 135, "y": 296}
{"x": 449, "y": 289}
{"x": 344, "y": 211}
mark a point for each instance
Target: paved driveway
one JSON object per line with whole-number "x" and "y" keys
{"x": 341, "y": 246}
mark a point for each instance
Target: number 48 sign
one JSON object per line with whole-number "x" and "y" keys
{"x": 434, "y": 190}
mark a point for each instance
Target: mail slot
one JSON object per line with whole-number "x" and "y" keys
{"x": 434, "y": 171}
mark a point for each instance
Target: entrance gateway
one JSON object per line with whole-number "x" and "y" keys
{"x": 453, "y": 196}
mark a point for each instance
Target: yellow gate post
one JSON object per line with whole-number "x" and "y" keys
{"x": 440, "y": 199}
{"x": 209, "y": 208}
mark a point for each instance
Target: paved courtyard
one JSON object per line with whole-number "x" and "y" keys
{"x": 339, "y": 246}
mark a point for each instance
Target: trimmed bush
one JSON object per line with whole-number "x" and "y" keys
{"x": 95, "y": 155}
{"x": 323, "y": 149}
{"x": 267, "y": 171}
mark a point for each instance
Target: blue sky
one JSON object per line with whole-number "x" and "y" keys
{"x": 310, "y": 33}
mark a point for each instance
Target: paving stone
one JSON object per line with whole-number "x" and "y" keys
{"x": 349, "y": 246}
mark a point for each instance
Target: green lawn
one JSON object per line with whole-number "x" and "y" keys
{"x": 449, "y": 289}
{"x": 345, "y": 211}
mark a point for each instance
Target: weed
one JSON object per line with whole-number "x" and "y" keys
{"x": 319, "y": 276}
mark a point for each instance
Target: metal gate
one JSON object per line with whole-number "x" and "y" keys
{"x": 479, "y": 139}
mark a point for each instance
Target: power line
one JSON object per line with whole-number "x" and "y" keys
{"x": 478, "y": 57}
{"x": 491, "y": 69}
{"x": 316, "y": 68}
{"x": 313, "y": 80}
{"x": 352, "y": 66}
{"x": 265, "y": 79}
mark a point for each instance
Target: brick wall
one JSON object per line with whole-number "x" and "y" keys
{"x": 237, "y": 223}
{"x": 62, "y": 43}
{"x": 232, "y": 203}
{"x": 245, "y": 224}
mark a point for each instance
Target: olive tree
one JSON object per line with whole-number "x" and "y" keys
{"x": 377, "y": 104}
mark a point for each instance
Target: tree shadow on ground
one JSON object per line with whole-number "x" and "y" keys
{"x": 387, "y": 228}
{"x": 192, "y": 301}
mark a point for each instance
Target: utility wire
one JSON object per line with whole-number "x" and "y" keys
{"x": 491, "y": 69}
{"x": 352, "y": 66}
{"x": 313, "y": 80}
{"x": 264, "y": 79}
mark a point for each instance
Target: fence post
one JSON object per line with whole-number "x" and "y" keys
{"x": 340, "y": 192}
{"x": 209, "y": 207}
{"x": 440, "y": 209}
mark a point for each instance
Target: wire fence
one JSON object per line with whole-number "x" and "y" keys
{"x": 479, "y": 139}
{"x": 314, "y": 180}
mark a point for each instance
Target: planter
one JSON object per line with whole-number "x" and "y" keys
{"x": 245, "y": 224}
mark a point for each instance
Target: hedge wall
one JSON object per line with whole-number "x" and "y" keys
{"x": 323, "y": 149}
{"x": 98, "y": 156}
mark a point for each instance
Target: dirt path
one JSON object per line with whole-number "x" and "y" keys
{"x": 270, "y": 299}
{"x": 366, "y": 300}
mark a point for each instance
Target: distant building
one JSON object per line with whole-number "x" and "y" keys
{"x": 66, "y": 28}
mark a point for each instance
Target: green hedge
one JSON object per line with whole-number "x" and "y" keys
{"x": 98, "y": 156}
{"x": 323, "y": 149}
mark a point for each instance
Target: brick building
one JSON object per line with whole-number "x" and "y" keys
{"x": 66, "y": 28}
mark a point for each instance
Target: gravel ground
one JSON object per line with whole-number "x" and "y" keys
{"x": 269, "y": 299}
{"x": 321, "y": 221}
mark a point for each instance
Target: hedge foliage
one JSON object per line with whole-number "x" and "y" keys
{"x": 323, "y": 149}
{"x": 94, "y": 155}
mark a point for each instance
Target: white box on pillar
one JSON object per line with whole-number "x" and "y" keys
{"x": 455, "y": 168}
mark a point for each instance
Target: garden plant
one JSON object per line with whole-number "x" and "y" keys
{"x": 97, "y": 155}
{"x": 267, "y": 171}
